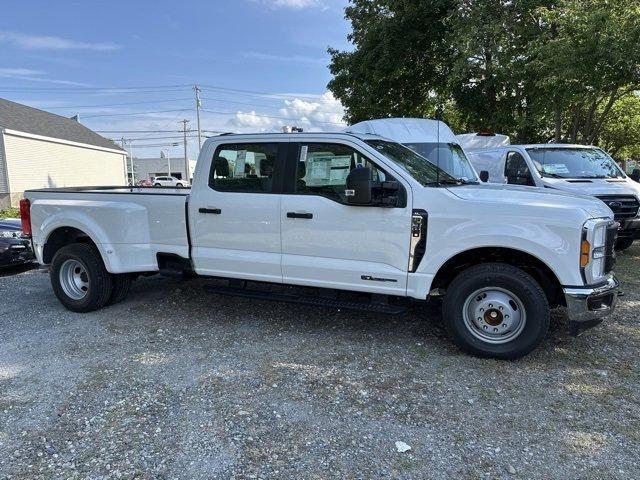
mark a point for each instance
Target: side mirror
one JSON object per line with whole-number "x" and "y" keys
{"x": 359, "y": 186}
{"x": 484, "y": 176}
{"x": 635, "y": 175}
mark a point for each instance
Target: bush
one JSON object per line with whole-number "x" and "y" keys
{"x": 9, "y": 213}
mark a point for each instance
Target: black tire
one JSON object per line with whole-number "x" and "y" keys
{"x": 121, "y": 286}
{"x": 510, "y": 281}
{"x": 157, "y": 185}
{"x": 99, "y": 282}
{"x": 179, "y": 185}
{"x": 623, "y": 244}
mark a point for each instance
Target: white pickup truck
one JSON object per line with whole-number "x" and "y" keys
{"x": 343, "y": 213}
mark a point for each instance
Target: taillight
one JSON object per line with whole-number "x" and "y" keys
{"x": 25, "y": 216}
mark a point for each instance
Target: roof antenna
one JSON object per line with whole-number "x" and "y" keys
{"x": 439, "y": 112}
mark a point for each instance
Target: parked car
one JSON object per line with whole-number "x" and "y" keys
{"x": 167, "y": 182}
{"x": 345, "y": 212}
{"x": 15, "y": 247}
{"x": 578, "y": 169}
{"x": 145, "y": 182}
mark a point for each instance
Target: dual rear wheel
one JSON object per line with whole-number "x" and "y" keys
{"x": 82, "y": 283}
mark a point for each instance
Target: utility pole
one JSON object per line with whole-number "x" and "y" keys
{"x": 132, "y": 178}
{"x": 186, "y": 159}
{"x": 198, "y": 105}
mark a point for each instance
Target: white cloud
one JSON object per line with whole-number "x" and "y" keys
{"x": 26, "y": 72}
{"x": 35, "y": 76}
{"x": 322, "y": 114}
{"x": 295, "y": 4}
{"x": 43, "y": 42}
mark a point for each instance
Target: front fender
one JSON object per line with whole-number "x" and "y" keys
{"x": 556, "y": 245}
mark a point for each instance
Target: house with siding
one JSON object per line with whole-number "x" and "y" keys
{"x": 39, "y": 149}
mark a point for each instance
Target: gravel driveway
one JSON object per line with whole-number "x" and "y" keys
{"x": 177, "y": 383}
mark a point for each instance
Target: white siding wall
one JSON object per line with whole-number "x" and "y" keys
{"x": 5, "y": 199}
{"x": 33, "y": 163}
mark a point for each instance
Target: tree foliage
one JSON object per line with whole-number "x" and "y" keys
{"x": 536, "y": 70}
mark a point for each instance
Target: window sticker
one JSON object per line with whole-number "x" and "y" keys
{"x": 555, "y": 168}
{"x": 240, "y": 164}
{"x": 327, "y": 170}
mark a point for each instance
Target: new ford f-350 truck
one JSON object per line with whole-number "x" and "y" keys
{"x": 342, "y": 213}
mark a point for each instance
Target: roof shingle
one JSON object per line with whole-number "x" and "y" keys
{"x": 22, "y": 118}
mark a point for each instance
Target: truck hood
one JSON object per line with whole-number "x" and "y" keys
{"x": 517, "y": 195}
{"x": 594, "y": 186}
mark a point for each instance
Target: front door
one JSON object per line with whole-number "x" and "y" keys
{"x": 236, "y": 221}
{"x": 328, "y": 243}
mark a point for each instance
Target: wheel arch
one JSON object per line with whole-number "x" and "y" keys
{"x": 534, "y": 266}
{"x": 63, "y": 236}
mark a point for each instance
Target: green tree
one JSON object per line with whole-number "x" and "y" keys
{"x": 620, "y": 135}
{"x": 533, "y": 69}
{"x": 398, "y": 66}
{"x": 585, "y": 59}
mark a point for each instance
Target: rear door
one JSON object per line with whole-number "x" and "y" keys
{"x": 329, "y": 243}
{"x": 236, "y": 219}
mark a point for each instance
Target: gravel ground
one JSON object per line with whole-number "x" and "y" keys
{"x": 177, "y": 383}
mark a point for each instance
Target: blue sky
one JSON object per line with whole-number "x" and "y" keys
{"x": 260, "y": 63}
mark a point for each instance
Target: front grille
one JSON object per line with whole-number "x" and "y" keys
{"x": 609, "y": 246}
{"x": 623, "y": 206}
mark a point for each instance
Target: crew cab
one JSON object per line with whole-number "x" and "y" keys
{"x": 355, "y": 216}
{"x": 580, "y": 169}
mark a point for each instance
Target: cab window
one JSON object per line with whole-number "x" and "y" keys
{"x": 516, "y": 170}
{"x": 246, "y": 168}
{"x": 322, "y": 169}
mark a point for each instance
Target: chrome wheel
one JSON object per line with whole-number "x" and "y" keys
{"x": 74, "y": 279}
{"x": 494, "y": 315}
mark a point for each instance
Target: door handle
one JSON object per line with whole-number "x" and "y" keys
{"x": 215, "y": 211}
{"x": 299, "y": 215}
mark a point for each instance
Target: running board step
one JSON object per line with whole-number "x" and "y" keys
{"x": 308, "y": 300}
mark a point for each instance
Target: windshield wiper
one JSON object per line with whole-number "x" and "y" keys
{"x": 456, "y": 181}
{"x": 552, "y": 175}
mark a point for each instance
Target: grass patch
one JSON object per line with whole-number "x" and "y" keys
{"x": 10, "y": 212}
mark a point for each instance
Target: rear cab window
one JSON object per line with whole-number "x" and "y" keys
{"x": 246, "y": 167}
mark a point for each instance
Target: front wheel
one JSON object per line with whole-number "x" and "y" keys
{"x": 157, "y": 185}
{"x": 179, "y": 185}
{"x": 79, "y": 278}
{"x": 496, "y": 310}
{"x": 623, "y": 244}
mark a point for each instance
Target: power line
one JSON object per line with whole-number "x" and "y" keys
{"x": 94, "y": 89}
{"x": 137, "y": 131}
{"x": 118, "y": 104}
{"x": 258, "y": 94}
{"x": 135, "y": 113}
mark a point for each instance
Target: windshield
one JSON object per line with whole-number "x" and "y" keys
{"x": 424, "y": 172}
{"x": 574, "y": 163}
{"x": 448, "y": 156}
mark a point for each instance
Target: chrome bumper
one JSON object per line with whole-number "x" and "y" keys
{"x": 586, "y": 306}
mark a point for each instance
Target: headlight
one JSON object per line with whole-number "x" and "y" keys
{"x": 9, "y": 234}
{"x": 593, "y": 250}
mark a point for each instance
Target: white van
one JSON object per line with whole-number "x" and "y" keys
{"x": 432, "y": 139}
{"x": 476, "y": 141}
{"x": 580, "y": 169}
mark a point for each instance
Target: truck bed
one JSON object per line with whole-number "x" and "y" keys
{"x": 129, "y": 225}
